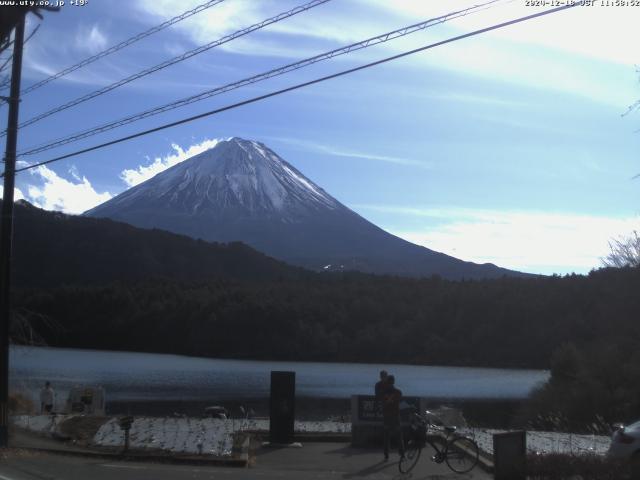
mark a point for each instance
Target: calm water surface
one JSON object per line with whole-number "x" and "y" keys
{"x": 128, "y": 376}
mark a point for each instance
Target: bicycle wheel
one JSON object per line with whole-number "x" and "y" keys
{"x": 462, "y": 454}
{"x": 411, "y": 455}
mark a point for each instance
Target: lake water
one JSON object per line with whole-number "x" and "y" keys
{"x": 128, "y": 376}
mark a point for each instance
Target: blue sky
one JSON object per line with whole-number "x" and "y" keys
{"x": 510, "y": 147}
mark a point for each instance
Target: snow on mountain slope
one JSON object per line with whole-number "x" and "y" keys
{"x": 237, "y": 174}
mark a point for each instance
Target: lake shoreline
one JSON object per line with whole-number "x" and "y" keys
{"x": 387, "y": 364}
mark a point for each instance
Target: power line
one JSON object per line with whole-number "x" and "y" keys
{"x": 298, "y": 86}
{"x": 180, "y": 58}
{"x": 6, "y": 62}
{"x": 4, "y": 46}
{"x": 7, "y": 81}
{"x": 122, "y": 45}
{"x": 385, "y": 37}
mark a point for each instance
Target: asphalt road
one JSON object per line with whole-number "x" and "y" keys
{"x": 317, "y": 461}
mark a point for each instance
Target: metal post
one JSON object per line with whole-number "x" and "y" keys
{"x": 6, "y": 232}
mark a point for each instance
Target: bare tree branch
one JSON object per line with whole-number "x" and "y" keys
{"x": 23, "y": 331}
{"x": 625, "y": 252}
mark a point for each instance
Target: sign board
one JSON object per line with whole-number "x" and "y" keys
{"x": 366, "y": 417}
{"x": 509, "y": 455}
{"x": 366, "y": 409}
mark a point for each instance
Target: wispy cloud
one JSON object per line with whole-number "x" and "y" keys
{"x": 91, "y": 39}
{"x": 339, "y": 152}
{"x": 57, "y": 193}
{"x": 135, "y": 176}
{"x": 490, "y": 100}
{"x": 319, "y": 24}
{"x": 43, "y": 61}
{"x": 537, "y": 242}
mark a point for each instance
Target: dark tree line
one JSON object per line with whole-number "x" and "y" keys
{"x": 509, "y": 322}
{"x": 51, "y": 248}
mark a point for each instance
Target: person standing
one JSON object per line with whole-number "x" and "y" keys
{"x": 46, "y": 398}
{"x": 381, "y": 385}
{"x": 391, "y": 397}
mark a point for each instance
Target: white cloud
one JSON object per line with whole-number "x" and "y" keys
{"x": 57, "y": 193}
{"x": 91, "y": 39}
{"x": 209, "y": 24}
{"x": 135, "y": 176}
{"x": 17, "y": 193}
{"x": 530, "y": 241}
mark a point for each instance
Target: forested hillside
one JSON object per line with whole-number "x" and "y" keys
{"x": 347, "y": 317}
{"x": 51, "y": 248}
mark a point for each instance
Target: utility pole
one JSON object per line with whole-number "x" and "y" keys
{"x": 6, "y": 232}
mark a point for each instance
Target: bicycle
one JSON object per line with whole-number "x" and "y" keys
{"x": 459, "y": 452}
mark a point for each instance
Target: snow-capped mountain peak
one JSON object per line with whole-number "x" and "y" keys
{"x": 236, "y": 174}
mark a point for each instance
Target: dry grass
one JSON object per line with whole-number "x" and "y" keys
{"x": 20, "y": 404}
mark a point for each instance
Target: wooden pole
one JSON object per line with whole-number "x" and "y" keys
{"x": 6, "y": 232}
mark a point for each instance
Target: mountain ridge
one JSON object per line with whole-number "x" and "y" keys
{"x": 53, "y": 249}
{"x": 241, "y": 190}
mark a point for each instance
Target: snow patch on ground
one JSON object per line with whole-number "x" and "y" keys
{"x": 39, "y": 423}
{"x": 178, "y": 435}
{"x": 546, "y": 442}
{"x": 215, "y": 436}
{"x": 195, "y": 435}
{"x": 301, "y": 427}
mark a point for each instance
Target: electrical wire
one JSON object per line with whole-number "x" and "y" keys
{"x": 6, "y": 62}
{"x": 173, "y": 61}
{"x": 300, "y": 85}
{"x": 385, "y": 37}
{"x": 7, "y": 81}
{"x": 121, "y": 45}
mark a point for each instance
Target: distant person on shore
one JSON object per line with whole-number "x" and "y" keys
{"x": 391, "y": 397}
{"x": 46, "y": 398}
{"x": 381, "y": 385}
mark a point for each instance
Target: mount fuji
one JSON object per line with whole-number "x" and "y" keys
{"x": 240, "y": 190}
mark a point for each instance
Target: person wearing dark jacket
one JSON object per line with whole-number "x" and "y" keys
{"x": 391, "y": 397}
{"x": 381, "y": 385}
